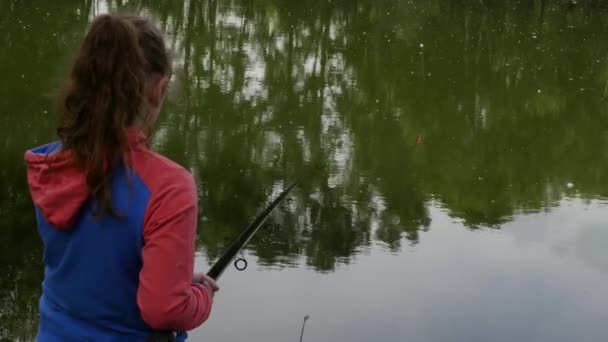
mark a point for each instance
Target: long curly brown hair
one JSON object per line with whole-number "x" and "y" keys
{"x": 105, "y": 95}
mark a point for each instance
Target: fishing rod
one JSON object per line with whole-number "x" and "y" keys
{"x": 303, "y": 325}
{"x": 240, "y": 263}
{"x": 220, "y": 266}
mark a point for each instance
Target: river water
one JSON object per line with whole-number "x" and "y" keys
{"x": 451, "y": 157}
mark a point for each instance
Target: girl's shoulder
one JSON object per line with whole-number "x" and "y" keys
{"x": 158, "y": 171}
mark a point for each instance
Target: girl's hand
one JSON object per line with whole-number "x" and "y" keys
{"x": 206, "y": 281}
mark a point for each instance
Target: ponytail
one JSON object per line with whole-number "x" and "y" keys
{"x": 104, "y": 96}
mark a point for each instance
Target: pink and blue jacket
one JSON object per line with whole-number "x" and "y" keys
{"x": 109, "y": 279}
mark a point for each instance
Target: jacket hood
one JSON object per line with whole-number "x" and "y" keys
{"x": 57, "y": 185}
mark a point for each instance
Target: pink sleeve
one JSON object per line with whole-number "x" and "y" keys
{"x": 167, "y": 298}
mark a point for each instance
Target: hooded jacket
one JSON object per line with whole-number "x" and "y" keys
{"x": 116, "y": 279}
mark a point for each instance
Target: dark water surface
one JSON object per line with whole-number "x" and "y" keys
{"x": 452, "y": 158}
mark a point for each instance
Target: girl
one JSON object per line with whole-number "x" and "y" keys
{"x": 117, "y": 220}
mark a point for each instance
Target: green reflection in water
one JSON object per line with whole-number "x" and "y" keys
{"x": 378, "y": 107}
